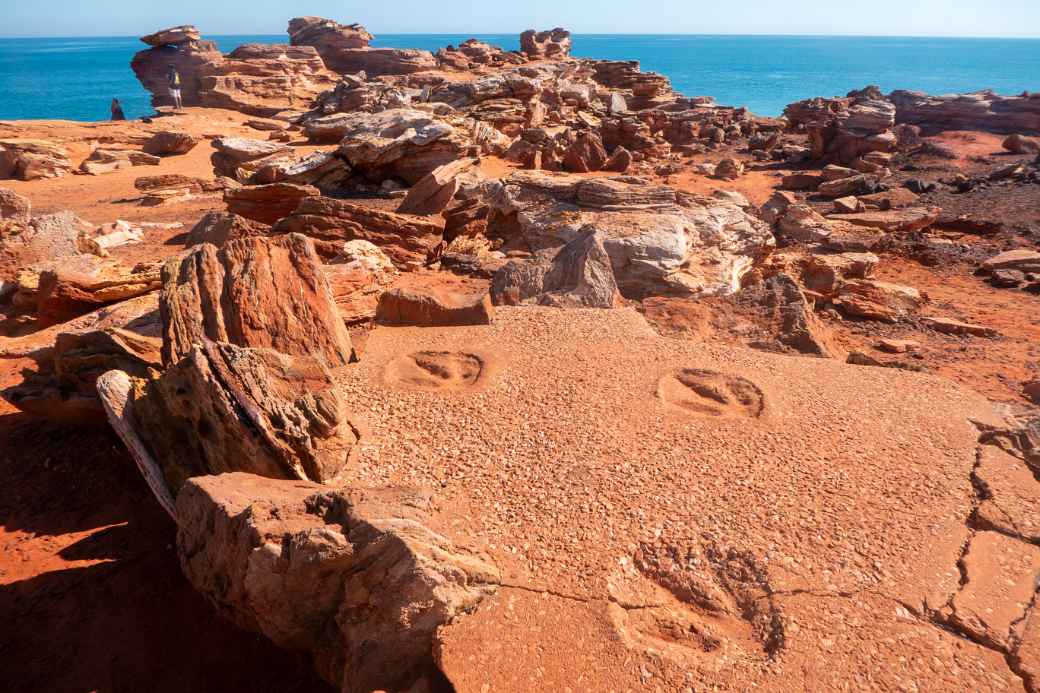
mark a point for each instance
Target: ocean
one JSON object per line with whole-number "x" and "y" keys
{"x": 75, "y": 78}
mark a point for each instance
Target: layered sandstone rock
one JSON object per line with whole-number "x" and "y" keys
{"x": 253, "y": 292}
{"x": 845, "y": 129}
{"x": 407, "y": 240}
{"x": 555, "y": 43}
{"x": 108, "y": 160}
{"x": 65, "y": 293}
{"x": 219, "y": 228}
{"x": 267, "y": 203}
{"x": 241, "y": 157}
{"x": 226, "y": 408}
{"x": 258, "y": 79}
{"x": 435, "y": 191}
{"x": 354, "y": 577}
{"x": 983, "y": 110}
{"x": 169, "y": 143}
{"x": 401, "y": 143}
{"x": 26, "y": 159}
{"x": 345, "y": 49}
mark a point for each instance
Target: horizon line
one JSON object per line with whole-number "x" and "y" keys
{"x": 573, "y": 33}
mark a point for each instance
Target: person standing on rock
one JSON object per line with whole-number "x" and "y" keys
{"x": 117, "y": 110}
{"x": 174, "y": 80}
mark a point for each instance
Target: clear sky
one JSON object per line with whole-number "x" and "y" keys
{"x": 1012, "y": 18}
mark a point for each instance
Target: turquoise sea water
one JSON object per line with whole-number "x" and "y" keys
{"x": 74, "y": 78}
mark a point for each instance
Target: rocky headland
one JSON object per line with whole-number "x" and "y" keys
{"x": 376, "y": 369}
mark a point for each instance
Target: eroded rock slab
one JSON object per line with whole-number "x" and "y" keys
{"x": 353, "y": 576}
{"x": 254, "y": 292}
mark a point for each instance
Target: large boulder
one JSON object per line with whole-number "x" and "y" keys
{"x": 353, "y": 576}
{"x": 345, "y": 49}
{"x": 408, "y": 240}
{"x": 435, "y": 191}
{"x": 26, "y": 159}
{"x": 267, "y": 203}
{"x": 46, "y": 238}
{"x": 173, "y": 36}
{"x": 219, "y": 228}
{"x": 555, "y": 43}
{"x": 254, "y": 292}
{"x": 894, "y": 220}
{"x": 577, "y": 275}
{"x": 876, "y": 300}
{"x": 170, "y": 143}
{"x": 240, "y": 157}
{"x": 430, "y": 305}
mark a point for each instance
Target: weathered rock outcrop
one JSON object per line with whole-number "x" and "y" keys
{"x": 107, "y": 160}
{"x": 407, "y": 240}
{"x": 429, "y": 306}
{"x": 170, "y": 143}
{"x": 46, "y": 238}
{"x": 983, "y": 110}
{"x": 254, "y": 292}
{"x": 14, "y": 207}
{"x": 435, "y": 191}
{"x": 353, "y": 576}
{"x": 65, "y": 293}
{"x": 345, "y": 49}
{"x": 578, "y": 275}
{"x": 225, "y": 408}
{"x": 25, "y": 159}
{"x": 844, "y": 129}
{"x": 219, "y": 228}
{"x": 658, "y": 240}
{"x": 555, "y": 43}
{"x": 258, "y": 79}
{"x": 401, "y": 143}
{"x": 241, "y": 157}
{"x": 267, "y": 203}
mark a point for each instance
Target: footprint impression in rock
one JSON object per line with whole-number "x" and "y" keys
{"x": 437, "y": 371}
{"x": 708, "y": 393}
{"x": 694, "y": 604}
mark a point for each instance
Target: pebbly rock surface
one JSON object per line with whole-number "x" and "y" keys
{"x": 14, "y": 207}
{"x": 253, "y": 292}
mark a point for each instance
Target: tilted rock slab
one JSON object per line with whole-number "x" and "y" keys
{"x": 352, "y": 576}
{"x": 224, "y": 408}
{"x": 254, "y": 292}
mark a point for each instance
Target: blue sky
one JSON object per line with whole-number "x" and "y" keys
{"x": 1013, "y": 18}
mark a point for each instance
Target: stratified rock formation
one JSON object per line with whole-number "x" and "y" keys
{"x": 25, "y": 159}
{"x": 345, "y": 49}
{"x": 258, "y": 79}
{"x": 841, "y": 131}
{"x": 983, "y": 110}
{"x": 254, "y": 292}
